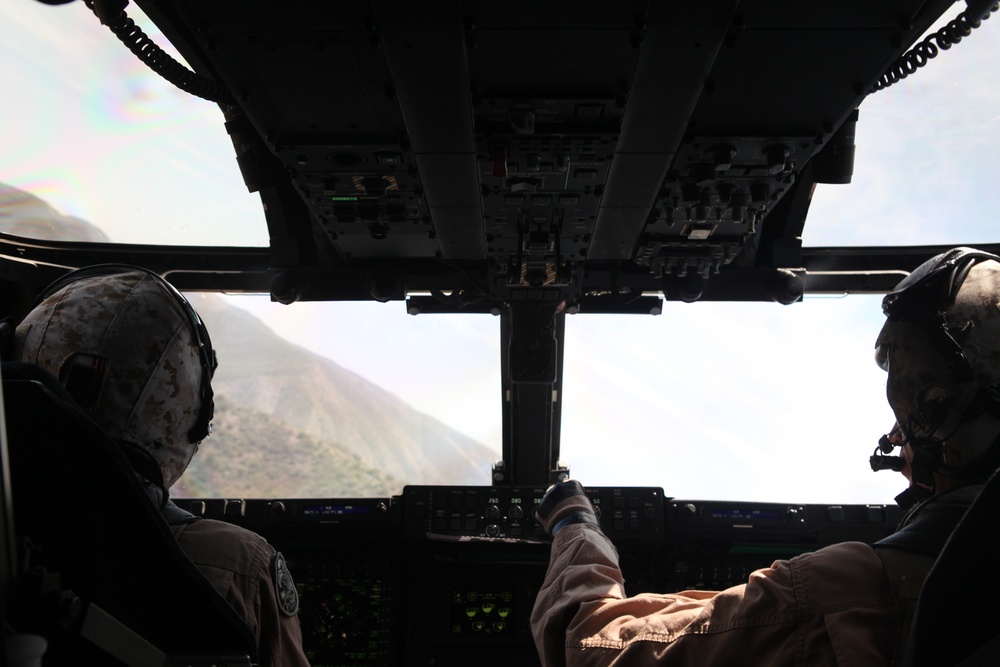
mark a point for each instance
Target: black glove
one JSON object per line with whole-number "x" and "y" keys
{"x": 565, "y": 503}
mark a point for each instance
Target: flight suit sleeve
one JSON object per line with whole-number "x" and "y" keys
{"x": 831, "y": 607}
{"x": 583, "y": 568}
{"x": 280, "y": 632}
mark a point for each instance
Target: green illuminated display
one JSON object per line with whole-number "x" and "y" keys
{"x": 481, "y": 613}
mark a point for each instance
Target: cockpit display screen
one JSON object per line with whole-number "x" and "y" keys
{"x": 336, "y": 510}
{"x": 748, "y": 514}
{"x": 484, "y": 613}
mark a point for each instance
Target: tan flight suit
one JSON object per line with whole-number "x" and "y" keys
{"x": 836, "y": 606}
{"x": 254, "y": 580}
{"x": 833, "y": 607}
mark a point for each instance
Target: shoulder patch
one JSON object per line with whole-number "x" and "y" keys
{"x": 284, "y": 587}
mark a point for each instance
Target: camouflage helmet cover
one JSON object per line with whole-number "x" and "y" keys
{"x": 942, "y": 350}
{"x": 125, "y": 346}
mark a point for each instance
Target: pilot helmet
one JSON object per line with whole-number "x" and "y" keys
{"x": 133, "y": 353}
{"x": 941, "y": 348}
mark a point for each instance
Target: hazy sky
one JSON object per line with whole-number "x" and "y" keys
{"x": 708, "y": 400}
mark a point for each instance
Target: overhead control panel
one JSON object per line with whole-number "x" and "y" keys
{"x": 553, "y": 152}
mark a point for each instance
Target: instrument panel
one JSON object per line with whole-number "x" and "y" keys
{"x": 446, "y": 575}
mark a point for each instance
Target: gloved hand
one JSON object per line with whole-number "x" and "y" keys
{"x": 564, "y": 503}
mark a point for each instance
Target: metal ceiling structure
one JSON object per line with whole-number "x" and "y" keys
{"x": 527, "y": 159}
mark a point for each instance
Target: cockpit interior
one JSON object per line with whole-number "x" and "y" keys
{"x": 528, "y": 190}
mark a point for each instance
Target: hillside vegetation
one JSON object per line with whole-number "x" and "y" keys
{"x": 292, "y": 423}
{"x": 251, "y": 454}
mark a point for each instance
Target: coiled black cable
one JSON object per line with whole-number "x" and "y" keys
{"x": 159, "y": 60}
{"x": 941, "y": 40}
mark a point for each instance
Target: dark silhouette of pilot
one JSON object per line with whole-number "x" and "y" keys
{"x": 845, "y": 604}
{"x": 137, "y": 358}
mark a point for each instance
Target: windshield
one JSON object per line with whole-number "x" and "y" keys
{"x": 751, "y": 401}
{"x": 105, "y": 143}
{"x": 924, "y": 157}
{"x": 331, "y": 399}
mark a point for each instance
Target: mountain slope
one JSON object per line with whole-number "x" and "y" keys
{"x": 316, "y": 396}
{"x": 251, "y": 454}
{"x": 24, "y": 214}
